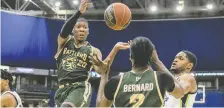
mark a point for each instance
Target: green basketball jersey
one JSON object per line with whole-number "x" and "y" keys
{"x": 138, "y": 90}
{"x": 73, "y": 63}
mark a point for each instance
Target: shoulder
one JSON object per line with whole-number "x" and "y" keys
{"x": 8, "y": 95}
{"x": 165, "y": 78}
{"x": 166, "y": 81}
{"x": 113, "y": 82}
{"x": 111, "y": 86}
{"x": 96, "y": 51}
{"x": 8, "y": 98}
{"x": 188, "y": 77}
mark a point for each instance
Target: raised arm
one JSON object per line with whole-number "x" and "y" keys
{"x": 157, "y": 63}
{"x": 70, "y": 23}
{"x": 119, "y": 46}
{"x": 171, "y": 86}
{"x": 174, "y": 87}
{"x": 100, "y": 68}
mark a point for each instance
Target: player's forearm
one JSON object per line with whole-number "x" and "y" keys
{"x": 68, "y": 26}
{"x": 160, "y": 66}
{"x": 112, "y": 54}
{"x": 179, "y": 91}
{"x": 100, "y": 93}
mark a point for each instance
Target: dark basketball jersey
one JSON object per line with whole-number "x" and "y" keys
{"x": 138, "y": 90}
{"x": 73, "y": 63}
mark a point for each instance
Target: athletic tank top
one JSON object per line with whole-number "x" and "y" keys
{"x": 186, "y": 101}
{"x": 18, "y": 99}
{"x": 138, "y": 90}
{"x": 172, "y": 102}
{"x": 73, "y": 63}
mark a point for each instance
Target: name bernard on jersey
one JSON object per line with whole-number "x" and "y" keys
{"x": 138, "y": 87}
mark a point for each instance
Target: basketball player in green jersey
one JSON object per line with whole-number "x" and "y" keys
{"x": 182, "y": 66}
{"x": 140, "y": 87}
{"x": 73, "y": 62}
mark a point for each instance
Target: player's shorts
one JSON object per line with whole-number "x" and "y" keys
{"x": 78, "y": 93}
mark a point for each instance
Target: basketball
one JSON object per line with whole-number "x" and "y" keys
{"x": 117, "y": 16}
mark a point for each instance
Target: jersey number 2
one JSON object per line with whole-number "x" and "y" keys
{"x": 137, "y": 100}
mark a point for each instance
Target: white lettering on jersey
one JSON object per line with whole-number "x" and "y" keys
{"x": 138, "y": 87}
{"x": 138, "y": 78}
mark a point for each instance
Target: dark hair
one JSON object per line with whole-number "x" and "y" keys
{"x": 191, "y": 57}
{"x": 141, "y": 51}
{"x": 7, "y": 76}
{"x": 82, "y": 20}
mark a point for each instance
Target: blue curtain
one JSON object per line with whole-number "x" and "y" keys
{"x": 32, "y": 42}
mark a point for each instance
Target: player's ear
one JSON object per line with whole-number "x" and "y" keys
{"x": 190, "y": 66}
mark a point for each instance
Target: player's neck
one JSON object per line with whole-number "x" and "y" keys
{"x": 137, "y": 69}
{"x": 182, "y": 72}
{"x": 80, "y": 43}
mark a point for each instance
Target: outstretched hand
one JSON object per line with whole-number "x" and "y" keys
{"x": 103, "y": 67}
{"x": 155, "y": 56}
{"x": 83, "y": 6}
{"x": 122, "y": 45}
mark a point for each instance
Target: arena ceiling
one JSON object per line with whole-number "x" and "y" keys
{"x": 141, "y": 9}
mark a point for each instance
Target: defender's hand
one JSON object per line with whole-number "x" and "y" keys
{"x": 83, "y": 6}
{"x": 122, "y": 46}
{"x": 102, "y": 66}
{"x": 155, "y": 57}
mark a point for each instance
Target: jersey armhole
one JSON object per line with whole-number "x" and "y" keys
{"x": 118, "y": 87}
{"x": 59, "y": 52}
{"x": 158, "y": 89}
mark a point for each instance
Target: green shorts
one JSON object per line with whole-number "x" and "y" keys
{"x": 79, "y": 94}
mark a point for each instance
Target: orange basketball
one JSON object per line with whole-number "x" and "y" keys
{"x": 117, "y": 16}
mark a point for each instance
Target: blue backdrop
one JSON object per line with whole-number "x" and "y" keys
{"x": 213, "y": 98}
{"x": 32, "y": 42}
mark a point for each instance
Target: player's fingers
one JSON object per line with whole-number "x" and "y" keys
{"x": 93, "y": 60}
{"x": 125, "y": 43}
